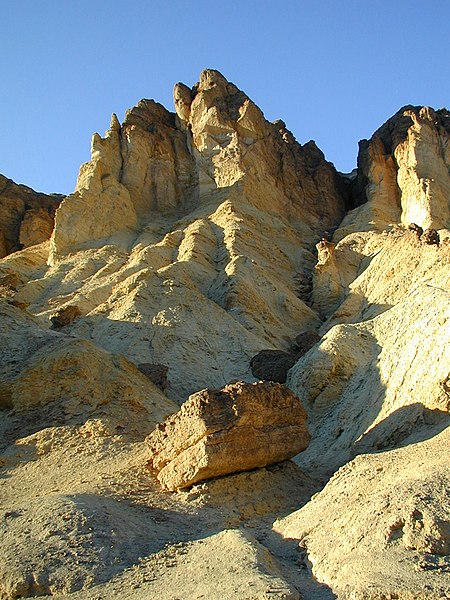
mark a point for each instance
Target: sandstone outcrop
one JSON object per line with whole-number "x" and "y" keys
{"x": 237, "y": 428}
{"x": 403, "y": 173}
{"x": 26, "y": 216}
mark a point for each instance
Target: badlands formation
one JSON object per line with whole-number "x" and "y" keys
{"x": 299, "y": 317}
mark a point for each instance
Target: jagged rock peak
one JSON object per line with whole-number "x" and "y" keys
{"x": 148, "y": 113}
{"x": 395, "y": 130}
{"x": 159, "y": 162}
{"x": 182, "y": 98}
{"x": 115, "y": 124}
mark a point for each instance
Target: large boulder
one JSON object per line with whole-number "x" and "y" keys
{"x": 236, "y": 428}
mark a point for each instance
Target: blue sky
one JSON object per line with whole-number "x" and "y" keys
{"x": 334, "y": 71}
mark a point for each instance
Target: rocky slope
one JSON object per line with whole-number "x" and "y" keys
{"x": 188, "y": 246}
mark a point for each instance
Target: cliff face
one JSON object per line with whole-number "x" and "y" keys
{"x": 194, "y": 240}
{"x": 403, "y": 173}
{"x": 26, "y": 216}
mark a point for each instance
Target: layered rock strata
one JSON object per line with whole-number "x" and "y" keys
{"x": 237, "y": 428}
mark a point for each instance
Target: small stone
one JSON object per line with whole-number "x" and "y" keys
{"x": 430, "y": 237}
{"x": 65, "y": 316}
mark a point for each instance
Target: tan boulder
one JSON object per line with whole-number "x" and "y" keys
{"x": 237, "y": 428}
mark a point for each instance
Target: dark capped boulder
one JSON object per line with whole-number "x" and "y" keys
{"x": 272, "y": 365}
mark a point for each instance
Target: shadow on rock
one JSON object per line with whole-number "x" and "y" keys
{"x": 407, "y": 425}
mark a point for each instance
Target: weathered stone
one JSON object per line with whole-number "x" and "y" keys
{"x": 36, "y": 227}
{"x": 272, "y": 365}
{"x": 417, "y": 230}
{"x": 156, "y": 373}
{"x": 65, "y": 316}
{"x": 237, "y": 428}
{"x": 325, "y": 251}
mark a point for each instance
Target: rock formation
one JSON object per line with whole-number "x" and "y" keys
{"x": 403, "y": 173}
{"x": 26, "y": 216}
{"x": 194, "y": 242}
{"x": 389, "y": 535}
{"x": 237, "y": 428}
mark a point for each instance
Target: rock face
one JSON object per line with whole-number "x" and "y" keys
{"x": 210, "y": 211}
{"x": 26, "y": 216}
{"x": 403, "y": 173}
{"x": 53, "y": 378}
{"x": 393, "y": 324}
{"x": 156, "y": 163}
{"x": 237, "y": 428}
{"x": 390, "y": 531}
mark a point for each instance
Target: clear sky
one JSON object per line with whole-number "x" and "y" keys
{"x": 333, "y": 70}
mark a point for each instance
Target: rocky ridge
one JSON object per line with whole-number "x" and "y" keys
{"x": 189, "y": 245}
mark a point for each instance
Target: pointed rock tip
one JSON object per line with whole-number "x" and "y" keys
{"x": 115, "y": 124}
{"x": 183, "y": 93}
{"x": 212, "y": 78}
